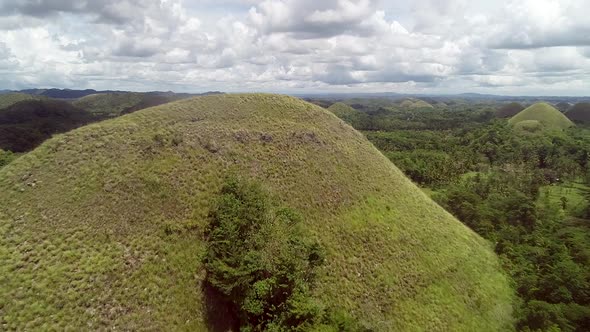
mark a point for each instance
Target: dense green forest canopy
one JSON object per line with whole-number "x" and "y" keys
{"x": 579, "y": 113}
{"x": 26, "y": 124}
{"x": 563, "y": 106}
{"x": 9, "y": 99}
{"x": 527, "y": 194}
{"x": 509, "y": 110}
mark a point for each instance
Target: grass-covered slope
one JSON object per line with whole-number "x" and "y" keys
{"x": 530, "y": 126}
{"x": 26, "y": 124}
{"x": 547, "y": 115}
{"x": 579, "y": 113}
{"x": 9, "y": 99}
{"x": 118, "y": 103}
{"x": 103, "y": 226}
{"x": 509, "y": 110}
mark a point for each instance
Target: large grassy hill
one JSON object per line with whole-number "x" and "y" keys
{"x": 549, "y": 117}
{"x": 28, "y": 123}
{"x": 579, "y": 113}
{"x": 118, "y": 103}
{"x": 102, "y": 227}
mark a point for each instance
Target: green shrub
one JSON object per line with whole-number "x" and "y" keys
{"x": 6, "y": 157}
{"x": 258, "y": 259}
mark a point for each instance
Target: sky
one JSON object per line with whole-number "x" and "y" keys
{"x": 524, "y": 47}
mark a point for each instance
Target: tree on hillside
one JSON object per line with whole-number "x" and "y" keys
{"x": 258, "y": 259}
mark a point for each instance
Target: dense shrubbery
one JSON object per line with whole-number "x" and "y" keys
{"x": 6, "y": 157}
{"x": 503, "y": 204}
{"x": 258, "y": 259}
{"x": 546, "y": 254}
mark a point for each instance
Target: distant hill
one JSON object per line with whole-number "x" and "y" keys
{"x": 549, "y": 117}
{"x": 75, "y": 94}
{"x": 509, "y": 110}
{"x": 9, "y": 99}
{"x": 563, "y": 106}
{"x": 345, "y": 112}
{"x": 118, "y": 103}
{"x": 26, "y": 124}
{"x": 415, "y": 104}
{"x": 579, "y": 113}
{"x": 103, "y": 227}
{"x": 62, "y": 93}
{"x": 30, "y": 119}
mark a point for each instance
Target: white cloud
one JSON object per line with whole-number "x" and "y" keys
{"x": 297, "y": 45}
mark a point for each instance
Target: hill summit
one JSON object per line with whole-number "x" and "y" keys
{"x": 104, "y": 226}
{"x": 541, "y": 115}
{"x": 412, "y": 103}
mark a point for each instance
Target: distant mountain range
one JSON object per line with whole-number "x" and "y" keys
{"x": 74, "y": 94}
{"x": 443, "y": 97}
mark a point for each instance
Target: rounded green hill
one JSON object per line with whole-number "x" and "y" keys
{"x": 415, "y": 104}
{"x": 579, "y": 113}
{"x": 344, "y": 112}
{"x": 549, "y": 117}
{"x": 102, "y": 227}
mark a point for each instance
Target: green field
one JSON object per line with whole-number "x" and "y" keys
{"x": 102, "y": 227}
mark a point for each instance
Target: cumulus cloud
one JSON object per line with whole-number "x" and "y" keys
{"x": 543, "y": 23}
{"x": 297, "y": 45}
